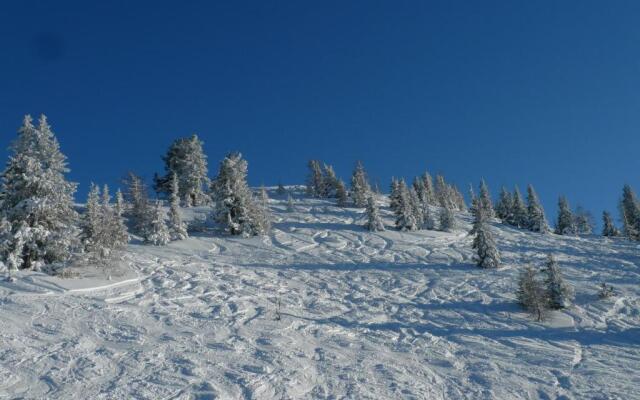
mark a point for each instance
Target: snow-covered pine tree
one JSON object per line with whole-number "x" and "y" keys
{"x": 416, "y": 207}
{"x": 141, "y": 211}
{"x": 341, "y": 194}
{"x": 116, "y": 235}
{"x": 442, "y": 192}
{"x": 485, "y": 200}
{"x": 504, "y": 206}
{"x": 36, "y": 193}
{"x": 537, "y": 222}
{"x": 234, "y": 205}
{"x": 487, "y": 255}
{"x": 360, "y": 188}
{"x": 429, "y": 221}
{"x": 158, "y": 233}
{"x": 519, "y": 217}
{"x": 418, "y": 186}
{"x": 531, "y": 293}
{"x": 583, "y": 221}
{"x": 558, "y": 293}
{"x": 394, "y": 195}
{"x": 120, "y": 206}
{"x": 290, "y": 206}
{"x": 458, "y": 199}
{"x": 6, "y": 241}
{"x": 91, "y": 219}
{"x": 608, "y": 227}
{"x": 329, "y": 181}
{"x": 315, "y": 180}
{"x": 565, "y": 224}
{"x": 177, "y": 227}
{"x": 187, "y": 160}
{"x": 374, "y": 221}
{"x": 429, "y": 191}
{"x": 446, "y": 218}
{"x": 475, "y": 202}
{"x": 630, "y": 214}
{"x": 405, "y": 217}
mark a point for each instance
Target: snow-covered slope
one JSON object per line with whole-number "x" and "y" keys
{"x": 363, "y": 315}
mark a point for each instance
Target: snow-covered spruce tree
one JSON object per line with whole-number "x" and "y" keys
{"x": 537, "y": 222}
{"x": 360, "y": 188}
{"x": 394, "y": 195}
{"x": 405, "y": 217}
{"x": 329, "y": 181}
{"x": 341, "y": 194}
{"x": 158, "y": 233}
{"x": 487, "y": 255}
{"x": 532, "y": 294}
{"x": 429, "y": 221}
{"x": 177, "y": 227}
{"x": 484, "y": 198}
{"x": 141, "y": 211}
{"x": 290, "y": 206}
{"x": 119, "y": 206}
{"x": 234, "y": 205}
{"x": 13, "y": 246}
{"x": 91, "y": 219}
{"x": 504, "y": 205}
{"x": 6, "y": 241}
{"x": 418, "y": 186}
{"x": 37, "y": 199}
{"x": 475, "y": 202}
{"x": 558, "y": 293}
{"x": 630, "y": 214}
{"x": 187, "y": 160}
{"x": 374, "y": 221}
{"x": 116, "y": 235}
{"x": 565, "y": 224}
{"x": 583, "y": 221}
{"x": 103, "y": 231}
{"x": 458, "y": 199}
{"x": 429, "y": 191}
{"x": 446, "y": 218}
{"x": 608, "y": 227}
{"x": 519, "y": 217}
{"x": 315, "y": 180}
{"x": 416, "y": 207}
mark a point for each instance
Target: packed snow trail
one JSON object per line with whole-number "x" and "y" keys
{"x": 363, "y": 315}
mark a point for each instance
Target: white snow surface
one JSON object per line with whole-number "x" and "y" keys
{"x": 386, "y": 315}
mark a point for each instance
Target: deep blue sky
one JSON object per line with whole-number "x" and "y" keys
{"x": 517, "y": 92}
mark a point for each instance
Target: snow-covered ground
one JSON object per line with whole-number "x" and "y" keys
{"x": 363, "y": 315}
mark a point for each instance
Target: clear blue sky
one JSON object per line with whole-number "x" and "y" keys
{"x": 514, "y": 91}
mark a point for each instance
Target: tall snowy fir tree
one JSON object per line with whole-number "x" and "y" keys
{"x": 446, "y": 218}
{"x": 177, "y": 227}
{"x": 559, "y": 294}
{"x": 565, "y": 224}
{"x": 315, "y": 180}
{"x": 429, "y": 191}
{"x": 583, "y": 221}
{"x": 374, "y": 221}
{"x": 187, "y": 160}
{"x": 487, "y": 255}
{"x": 329, "y": 181}
{"x": 484, "y": 198}
{"x": 342, "y": 198}
{"x": 608, "y": 227}
{"x": 474, "y": 201}
{"x": 532, "y": 294}
{"x": 290, "y": 206}
{"x": 116, "y": 235}
{"x": 119, "y": 206}
{"x": 92, "y": 218}
{"x": 158, "y": 233}
{"x": 504, "y": 205}
{"x": 394, "y": 195}
{"x": 141, "y": 211}
{"x": 537, "y": 222}
{"x": 518, "y": 214}
{"x": 405, "y": 216}
{"x": 234, "y": 205}
{"x": 630, "y": 214}
{"x": 418, "y": 186}
{"x": 360, "y": 188}
{"x": 416, "y": 207}
{"x": 37, "y": 198}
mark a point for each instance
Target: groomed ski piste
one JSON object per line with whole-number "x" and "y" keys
{"x": 323, "y": 309}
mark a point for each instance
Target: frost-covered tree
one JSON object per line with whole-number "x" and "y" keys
{"x": 446, "y": 218}
{"x": 177, "y": 227}
{"x": 565, "y": 224}
{"x": 416, "y": 207}
{"x": 92, "y": 218}
{"x": 532, "y": 294}
{"x": 487, "y": 254}
{"x": 484, "y": 198}
{"x": 315, "y": 180}
{"x": 234, "y": 205}
{"x": 405, "y": 214}
{"x": 141, "y": 211}
{"x": 329, "y": 181}
{"x": 158, "y": 233}
{"x": 630, "y": 214}
{"x": 103, "y": 230}
{"x": 429, "y": 221}
{"x": 474, "y": 201}
{"x": 504, "y": 205}
{"x": 518, "y": 214}
{"x": 342, "y": 198}
{"x": 37, "y": 200}
{"x": 558, "y": 293}
{"x": 458, "y": 199}
{"x": 583, "y": 221}
{"x": 264, "y": 214}
{"x": 537, "y": 222}
{"x": 429, "y": 191}
{"x": 119, "y": 206}
{"x": 290, "y": 206}
{"x": 360, "y": 188}
{"x": 374, "y": 221}
{"x": 187, "y": 160}
{"x": 418, "y": 186}
{"x": 608, "y": 227}
{"x": 394, "y": 195}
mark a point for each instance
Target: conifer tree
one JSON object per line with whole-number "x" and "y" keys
{"x": 537, "y": 222}
{"x": 37, "y": 200}
{"x": 341, "y": 194}
{"x": 187, "y": 160}
{"x": 264, "y": 213}
{"x": 429, "y": 191}
{"x": 92, "y": 218}
{"x": 315, "y": 180}
{"x": 475, "y": 202}
{"x": 119, "y": 207}
{"x": 360, "y": 188}
{"x": 141, "y": 212}
{"x": 565, "y": 225}
{"x": 630, "y": 214}
{"x": 329, "y": 182}
{"x": 394, "y": 195}
{"x": 583, "y": 221}
{"x": 429, "y": 221}
{"x": 608, "y": 227}
{"x": 158, "y": 233}
{"x": 418, "y": 186}
{"x": 177, "y": 227}
{"x": 446, "y": 217}
{"x": 558, "y": 293}
{"x": 487, "y": 253}
{"x": 442, "y": 192}
{"x": 531, "y": 294}
{"x": 485, "y": 200}
{"x": 504, "y": 206}
{"x": 519, "y": 217}
{"x": 112, "y": 234}
{"x": 281, "y": 191}
{"x": 374, "y": 221}
{"x": 290, "y": 206}
{"x": 405, "y": 217}
{"x": 416, "y": 207}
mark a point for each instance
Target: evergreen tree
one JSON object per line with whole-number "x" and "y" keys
{"x": 329, "y": 182}
{"x": 458, "y": 199}
{"x": 519, "y": 217}
{"x": 446, "y": 217}
{"x": 405, "y": 216}
{"x": 558, "y": 293}
{"x": 442, "y": 192}
{"x": 475, "y": 202}
{"x": 177, "y": 227}
{"x": 487, "y": 253}
{"x": 565, "y": 225}
{"x": 537, "y": 222}
{"x": 394, "y": 195}
{"x": 531, "y": 294}
{"x": 504, "y": 206}
{"x": 583, "y": 221}
{"x": 187, "y": 160}
{"x": 119, "y": 207}
{"x": 234, "y": 206}
{"x": 418, "y": 186}
{"x": 112, "y": 235}
{"x": 341, "y": 194}
{"x": 608, "y": 227}
{"x": 429, "y": 191}
{"x": 630, "y": 214}
{"x": 92, "y": 218}
{"x": 360, "y": 188}
{"x": 37, "y": 200}
{"x": 158, "y": 233}
{"x": 315, "y": 180}
{"x": 264, "y": 213}
{"x": 485, "y": 200}
{"x": 429, "y": 222}
{"x": 281, "y": 191}
{"x": 141, "y": 212}
{"x": 290, "y": 206}
{"x": 374, "y": 221}
{"x": 416, "y": 207}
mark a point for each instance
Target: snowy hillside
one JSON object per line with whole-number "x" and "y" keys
{"x": 385, "y": 315}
